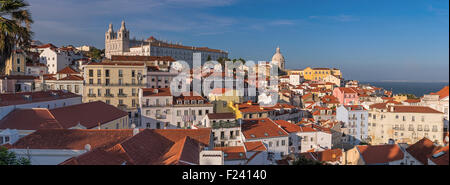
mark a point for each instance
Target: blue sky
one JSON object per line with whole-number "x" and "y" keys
{"x": 370, "y": 40}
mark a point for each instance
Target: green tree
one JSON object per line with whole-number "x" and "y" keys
{"x": 96, "y": 54}
{"x": 10, "y": 158}
{"x": 304, "y": 161}
{"x": 15, "y": 22}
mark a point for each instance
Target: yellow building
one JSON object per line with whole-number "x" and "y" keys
{"x": 220, "y": 97}
{"x": 316, "y": 74}
{"x": 15, "y": 65}
{"x": 116, "y": 84}
{"x": 400, "y": 98}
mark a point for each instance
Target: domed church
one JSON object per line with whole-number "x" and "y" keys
{"x": 278, "y": 59}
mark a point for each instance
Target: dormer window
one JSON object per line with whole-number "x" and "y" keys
{"x": 186, "y": 101}
{"x": 200, "y": 101}
{"x": 193, "y": 102}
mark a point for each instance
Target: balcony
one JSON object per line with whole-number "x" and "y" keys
{"x": 159, "y": 116}
{"x": 122, "y": 106}
{"x": 121, "y": 95}
{"x": 92, "y": 95}
{"x": 109, "y": 95}
{"x": 225, "y": 124}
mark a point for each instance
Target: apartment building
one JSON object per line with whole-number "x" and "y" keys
{"x": 15, "y": 64}
{"x": 116, "y": 84}
{"x": 355, "y": 119}
{"x": 268, "y": 132}
{"x": 161, "y": 110}
{"x": 390, "y": 123}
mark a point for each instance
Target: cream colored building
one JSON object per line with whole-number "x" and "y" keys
{"x": 116, "y": 84}
{"x": 15, "y": 65}
{"x": 119, "y": 43}
{"x": 404, "y": 124}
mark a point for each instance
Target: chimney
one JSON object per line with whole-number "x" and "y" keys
{"x": 155, "y": 91}
{"x": 87, "y": 147}
{"x": 391, "y": 108}
{"x": 135, "y": 130}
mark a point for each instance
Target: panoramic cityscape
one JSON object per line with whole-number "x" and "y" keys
{"x": 209, "y": 82}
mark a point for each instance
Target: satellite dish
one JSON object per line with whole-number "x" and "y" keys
{"x": 133, "y": 125}
{"x": 446, "y": 139}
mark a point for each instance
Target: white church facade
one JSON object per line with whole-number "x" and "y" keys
{"x": 119, "y": 43}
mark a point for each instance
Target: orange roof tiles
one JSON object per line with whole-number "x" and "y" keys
{"x": 440, "y": 159}
{"x": 72, "y": 139}
{"x": 380, "y": 154}
{"x": 415, "y": 109}
{"x": 422, "y": 149}
{"x": 68, "y": 70}
{"x": 261, "y": 128}
{"x": 255, "y": 146}
{"x": 233, "y": 152}
{"x": 89, "y": 115}
{"x": 442, "y": 93}
{"x": 156, "y": 92}
{"x": 40, "y": 96}
{"x": 288, "y": 127}
{"x": 149, "y": 147}
{"x": 29, "y": 119}
{"x": 346, "y": 90}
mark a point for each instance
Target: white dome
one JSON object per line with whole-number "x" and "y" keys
{"x": 278, "y": 56}
{"x": 278, "y": 59}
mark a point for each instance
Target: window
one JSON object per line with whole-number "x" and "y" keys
{"x": 283, "y": 142}
{"x": 91, "y": 73}
{"x": 120, "y": 73}
{"x": 107, "y": 73}
{"x": 91, "y": 81}
{"x": 99, "y": 73}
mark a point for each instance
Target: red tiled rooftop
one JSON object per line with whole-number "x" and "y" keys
{"x": 380, "y": 153}
{"x": 255, "y": 146}
{"x": 442, "y": 93}
{"x": 288, "y": 127}
{"x": 68, "y": 70}
{"x": 40, "y": 96}
{"x": 261, "y": 128}
{"x": 233, "y": 152}
{"x": 156, "y": 92}
{"x": 422, "y": 149}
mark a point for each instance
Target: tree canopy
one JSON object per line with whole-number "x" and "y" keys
{"x": 10, "y": 158}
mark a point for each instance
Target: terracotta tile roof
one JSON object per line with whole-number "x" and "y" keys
{"x": 49, "y": 45}
{"x": 156, "y": 92}
{"x": 149, "y": 147}
{"x": 261, "y": 128}
{"x": 380, "y": 153}
{"x": 18, "y": 77}
{"x": 90, "y": 115}
{"x": 422, "y": 149}
{"x": 72, "y": 78}
{"x": 331, "y": 155}
{"x": 288, "y": 127}
{"x": 415, "y": 109}
{"x": 412, "y": 101}
{"x": 442, "y": 93}
{"x": 40, "y": 96}
{"x": 72, "y": 139}
{"x": 346, "y": 90}
{"x": 233, "y": 152}
{"x": 201, "y": 135}
{"x": 142, "y": 58}
{"x": 67, "y": 70}
{"x": 30, "y": 119}
{"x": 440, "y": 157}
{"x": 213, "y": 116}
{"x": 255, "y": 146}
